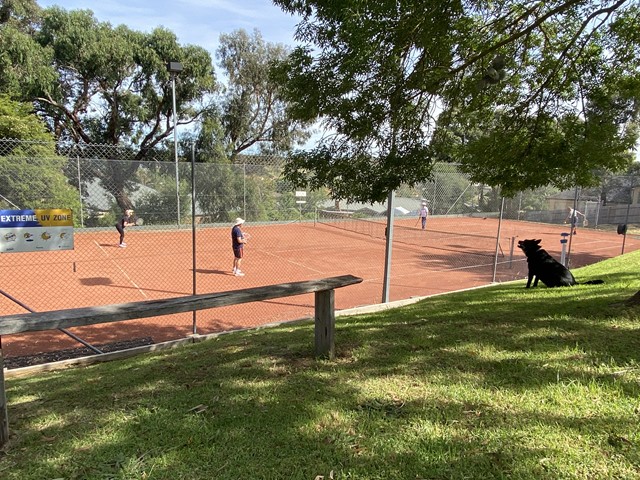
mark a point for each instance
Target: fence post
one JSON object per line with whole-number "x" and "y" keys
{"x": 386, "y": 281}
{"x": 325, "y": 322}
{"x": 626, "y": 222}
{"x": 497, "y": 252}
{"x": 80, "y": 191}
{"x": 563, "y": 242}
{"x": 4, "y": 415}
{"x": 511, "y": 250}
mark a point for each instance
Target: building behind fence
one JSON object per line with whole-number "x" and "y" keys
{"x": 98, "y": 182}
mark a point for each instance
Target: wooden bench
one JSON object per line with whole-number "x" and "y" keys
{"x": 324, "y": 290}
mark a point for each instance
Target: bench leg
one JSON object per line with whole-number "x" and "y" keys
{"x": 325, "y": 322}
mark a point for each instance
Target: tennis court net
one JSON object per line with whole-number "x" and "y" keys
{"x": 463, "y": 241}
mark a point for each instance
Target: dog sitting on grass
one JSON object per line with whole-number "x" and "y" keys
{"x": 545, "y": 268}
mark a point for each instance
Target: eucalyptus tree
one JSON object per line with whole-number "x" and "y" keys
{"x": 522, "y": 93}
{"x": 112, "y": 87}
{"x": 250, "y": 116}
{"x": 253, "y": 110}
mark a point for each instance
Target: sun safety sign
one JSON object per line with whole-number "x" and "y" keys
{"x": 35, "y": 230}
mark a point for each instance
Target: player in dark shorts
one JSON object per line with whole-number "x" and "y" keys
{"x": 237, "y": 243}
{"x": 127, "y": 220}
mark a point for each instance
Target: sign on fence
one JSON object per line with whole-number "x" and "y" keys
{"x": 300, "y": 197}
{"x": 34, "y": 230}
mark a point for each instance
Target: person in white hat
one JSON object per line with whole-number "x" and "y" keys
{"x": 237, "y": 243}
{"x": 423, "y": 213}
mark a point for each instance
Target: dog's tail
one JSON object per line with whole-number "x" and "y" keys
{"x": 592, "y": 282}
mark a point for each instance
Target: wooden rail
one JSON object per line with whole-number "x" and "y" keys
{"x": 324, "y": 290}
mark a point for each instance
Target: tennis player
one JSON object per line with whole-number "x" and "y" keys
{"x": 423, "y": 214}
{"x": 127, "y": 220}
{"x": 237, "y": 243}
{"x": 573, "y": 217}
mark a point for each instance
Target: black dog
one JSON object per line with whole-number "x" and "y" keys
{"x": 544, "y": 267}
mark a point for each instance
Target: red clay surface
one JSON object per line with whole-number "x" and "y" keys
{"x": 159, "y": 264}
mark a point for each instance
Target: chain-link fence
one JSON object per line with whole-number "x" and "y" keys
{"x": 184, "y": 244}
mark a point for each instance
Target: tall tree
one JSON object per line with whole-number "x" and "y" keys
{"x": 112, "y": 87}
{"x": 524, "y": 94}
{"x": 253, "y": 110}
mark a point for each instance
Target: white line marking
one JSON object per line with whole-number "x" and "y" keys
{"x": 291, "y": 261}
{"x": 121, "y": 270}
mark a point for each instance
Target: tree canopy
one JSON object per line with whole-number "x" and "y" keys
{"x": 253, "y": 109}
{"x": 522, "y": 94}
{"x": 113, "y": 85}
{"x": 98, "y": 84}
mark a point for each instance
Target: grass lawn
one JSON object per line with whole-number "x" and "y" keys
{"x": 500, "y": 382}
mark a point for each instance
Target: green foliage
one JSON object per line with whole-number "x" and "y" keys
{"x": 31, "y": 174}
{"x": 354, "y": 175}
{"x": 21, "y": 56}
{"x": 554, "y": 151}
{"x": 19, "y": 13}
{"x": 160, "y": 205}
{"x": 523, "y": 96}
{"x": 529, "y": 200}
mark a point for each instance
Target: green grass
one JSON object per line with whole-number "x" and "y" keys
{"x": 501, "y": 382}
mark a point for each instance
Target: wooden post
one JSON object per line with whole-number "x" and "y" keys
{"x": 4, "y": 415}
{"x": 325, "y": 322}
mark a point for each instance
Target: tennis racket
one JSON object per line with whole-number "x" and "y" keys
{"x": 139, "y": 222}
{"x": 246, "y": 236}
{"x": 585, "y": 222}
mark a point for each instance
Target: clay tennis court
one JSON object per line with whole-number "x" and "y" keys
{"x": 158, "y": 263}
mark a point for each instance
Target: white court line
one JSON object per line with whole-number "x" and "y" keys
{"x": 291, "y": 261}
{"x": 121, "y": 270}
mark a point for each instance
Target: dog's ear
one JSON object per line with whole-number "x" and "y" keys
{"x": 538, "y": 241}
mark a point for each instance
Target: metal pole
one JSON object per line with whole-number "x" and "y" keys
{"x": 193, "y": 226}
{"x": 388, "y": 248}
{"x": 175, "y": 142}
{"x": 4, "y": 412}
{"x": 435, "y": 187}
{"x": 626, "y": 222}
{"x": 63, "y": 330}
{"x": 573, "y": 223}
{"x": 511, "y": 250}
{"x": 519, "y": 205}
{"x": 563, "y": 243}
{"x": 495, "y": 257}
{"x": 80, "y": 191}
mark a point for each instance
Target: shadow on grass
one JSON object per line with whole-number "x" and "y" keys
{"x": 268, "y": 409}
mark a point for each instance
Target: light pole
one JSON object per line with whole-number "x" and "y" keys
{"x": 174, "y": 68}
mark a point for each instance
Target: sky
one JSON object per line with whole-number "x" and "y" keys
{"x": 195, "y": 22}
